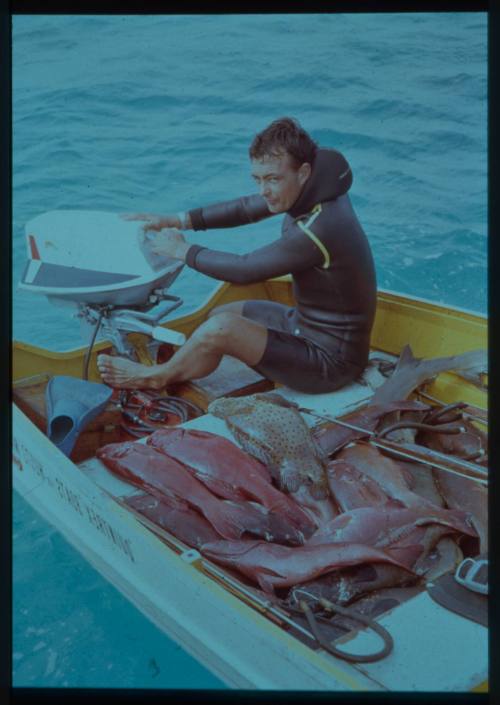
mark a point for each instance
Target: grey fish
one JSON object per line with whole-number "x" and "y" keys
{"x": 421, "y": 481}
{"x": 410, "y": 372}
{"x": 272, "y": 430}
{"x": 463, "y": 493}
{"x": 444, "y": 557}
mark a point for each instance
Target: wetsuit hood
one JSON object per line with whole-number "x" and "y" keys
{"x": 331, "y": 177}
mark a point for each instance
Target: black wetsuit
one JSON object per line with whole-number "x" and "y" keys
{"x": 323, "y": 342}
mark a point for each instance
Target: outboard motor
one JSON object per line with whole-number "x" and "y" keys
{"x": 100, "y": 265}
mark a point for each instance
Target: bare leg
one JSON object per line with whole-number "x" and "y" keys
{"x": 222, "y": 334}
{"x": 234, "y": 307}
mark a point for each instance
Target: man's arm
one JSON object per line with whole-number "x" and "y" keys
{"x": 227, "y": 214}
{"x": 230, "y": 214}
{"x": 284, "y": 256}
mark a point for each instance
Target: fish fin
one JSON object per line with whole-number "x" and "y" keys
{"x": 323, "y": 454}
{"x": 267, "y": 578}
{"x": 255, "y": 520}
{"x": 281, "y": 530}
{"x": 406, "y": 358}
{"x": 406, "y": 556}
{"x": 252, "y": 521}
{"x": 258, "y": 507}
{"x": 276, "y": 398}
{"x": 290, "y": 481}
{"x": 274, "y": 470}
{"x": 257, "y": 450}
{"x": 393, "y": 503}
{"x": 226, "y": 520}
{"x": 319, "y": 489}
{"x": 219, "y": 487}
{"x": 225, "y": 407}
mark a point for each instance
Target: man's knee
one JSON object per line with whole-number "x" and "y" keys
{"x": 214, "y": 332}
{"x": 235, "y": 307}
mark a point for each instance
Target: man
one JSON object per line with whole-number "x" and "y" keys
{"x": 323, "y": 342}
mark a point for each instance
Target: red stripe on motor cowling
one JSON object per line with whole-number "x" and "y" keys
{"x": 34, "y": 249}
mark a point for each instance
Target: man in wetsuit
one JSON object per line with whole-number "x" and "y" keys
{"x": 320, "y": 344}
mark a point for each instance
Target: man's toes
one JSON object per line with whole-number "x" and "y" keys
{"x": 105, "y": 365}
{"x": 107, "y": 374}
{"x": 104, "y": 361}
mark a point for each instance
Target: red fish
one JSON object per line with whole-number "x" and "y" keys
{"x": 320, "y": 511}
{"x": 390, "y": 527}
{"x": 381, "y": 525}
{"x": 160, "y": 475}
{"x": 471, "y": 443}
{"x": 393, "y": 479}
{"x": 421, "y": 480}
{"x": 330, "y": 436}
{"x": 216, "y": 459}
{"x": 274, "y": 566}
{"x": 352, "y": 488}
{"x": 344, "y": 586}
{"x": 228, "y": 471}
{"x": 175, "y": 517}
{"x": 472, "y": 497}
{"x": 458, "y": 493}
{"x": 410, "y": 537}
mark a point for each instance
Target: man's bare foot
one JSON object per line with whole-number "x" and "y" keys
{"x": 125, "y": 374}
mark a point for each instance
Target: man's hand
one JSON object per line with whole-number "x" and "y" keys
{"x": 155, "y": 222}
{"x": 170, "y": 243}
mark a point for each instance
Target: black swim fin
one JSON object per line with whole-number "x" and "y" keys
{"x": 71, "y": 404}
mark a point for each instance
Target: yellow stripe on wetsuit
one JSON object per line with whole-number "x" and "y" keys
{"x": 306, "y": 229}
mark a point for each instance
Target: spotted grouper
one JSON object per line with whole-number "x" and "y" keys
{"x": 273, "y": 431}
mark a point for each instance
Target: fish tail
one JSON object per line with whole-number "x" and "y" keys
{"x": 226, "y": 520}
{"x": 299, "y": 517}
{"x": 405, "y": 556}
{"x": 281, "y": 530}
{"x": 266, "y": 582}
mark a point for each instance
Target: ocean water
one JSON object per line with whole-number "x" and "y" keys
{"x": 155, "y": 114}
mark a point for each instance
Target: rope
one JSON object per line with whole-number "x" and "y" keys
{"x": 86, "y": 359}
{"x": 157, "y": 409}
{"x": 434, "y": 414}
{"x": 356, "y": 617}
{"x": 431, "y": 428}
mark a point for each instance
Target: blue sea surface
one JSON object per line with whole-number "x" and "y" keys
{"x": 155, "y": 114}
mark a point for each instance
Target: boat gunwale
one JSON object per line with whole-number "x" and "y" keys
{"x": 192, "y": 317}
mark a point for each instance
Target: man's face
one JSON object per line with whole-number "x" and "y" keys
{"x": 280, "y": 183}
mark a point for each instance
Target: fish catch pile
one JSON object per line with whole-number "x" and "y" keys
{"x": 339, "y": 512}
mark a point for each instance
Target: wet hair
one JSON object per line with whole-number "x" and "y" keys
{"x": 284, "y": 135}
